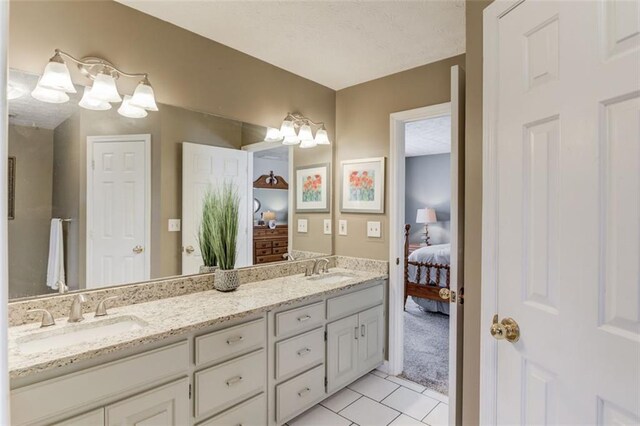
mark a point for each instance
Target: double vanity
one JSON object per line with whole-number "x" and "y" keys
{"x": 260, "y": 355}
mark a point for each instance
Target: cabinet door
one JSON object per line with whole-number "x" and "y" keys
{"x": 370, "y": 338}
{"x": 167, "y": 405}
{"x": 342, "y": 352}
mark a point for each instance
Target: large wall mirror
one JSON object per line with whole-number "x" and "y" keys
{"x": 102, "y": 199}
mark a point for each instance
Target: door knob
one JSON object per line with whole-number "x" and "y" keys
{"x": 507, "y": 329}
{"x": 189, "y": 249}
{"x": 445, "y": 293}
{"x": 138, "y": 249}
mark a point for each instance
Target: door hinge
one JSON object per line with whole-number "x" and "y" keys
{"x": 189, "y": 390}
{"x": 326, "y": 382}
{"x": 452, "y": 297}
{"x": 325, "y": 336}
{"x": 461, "y": 298}
{"x": 93, "y": 164}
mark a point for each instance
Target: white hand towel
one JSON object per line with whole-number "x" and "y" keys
{"x": 55, "y": 268}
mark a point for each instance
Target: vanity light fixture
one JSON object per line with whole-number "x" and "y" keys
{"x": 56, "y": 82}
{"x": 296, "y": 130}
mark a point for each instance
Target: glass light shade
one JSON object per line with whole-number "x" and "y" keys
{"x": 287, "y": 130}
{"x": 48, "y": 95}
{"x": 104, "y": 89}
{"x": 56, "y": 77}
{"x": 273, "y": 135}
{"x": 322, "y": 138}
{"x": 88, "y": 102}
{"x": 305, "y": 133}
{"x": 13, "y": 91}
{"x": 308, "y": 144}
{"x": 291, "y": 140}
{"x": 143, "y": 97}
{"x": 128, "y": 110}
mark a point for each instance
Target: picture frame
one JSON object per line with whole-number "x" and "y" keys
{"x": 362, "y": 186}
{"x": 12, "y": 188}
{"x": 313, "y": 188}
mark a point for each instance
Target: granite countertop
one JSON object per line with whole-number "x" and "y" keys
{"x": 174, "y": 316}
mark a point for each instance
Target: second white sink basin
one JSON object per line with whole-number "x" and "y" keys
{"x": 75, "y": 333}
{"x": 332, "y": 278}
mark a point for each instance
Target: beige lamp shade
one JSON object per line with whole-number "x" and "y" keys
{"x": 426, "y": 215}
{"x": 267, "y": 216}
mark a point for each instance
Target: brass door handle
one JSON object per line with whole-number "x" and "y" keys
{"x": 507, "y": 329}
{"x": 445, "y": 293}
{"x": 189, "y": 249}
{"x": 138, "y": 249}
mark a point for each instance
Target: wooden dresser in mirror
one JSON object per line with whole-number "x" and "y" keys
{"x": 269, "y": 245}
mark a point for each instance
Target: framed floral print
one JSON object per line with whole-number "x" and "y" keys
{"x": 313, "y": 188}
{"x": 362, "y": 186}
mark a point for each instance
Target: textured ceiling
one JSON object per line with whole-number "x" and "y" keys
{"x": 30, "y": 112}
{"x": 334, "y": 43}
{"x": 428, "y": 137}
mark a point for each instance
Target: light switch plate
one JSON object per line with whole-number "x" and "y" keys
{"x": 302, "y": 225}
{"x": 174, "y": 225}
{"x": 342, "y": 227}
{"x": 327, "y": 226}
{"x": 373, "y": 229}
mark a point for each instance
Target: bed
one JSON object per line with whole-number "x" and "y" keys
{"x": 426, "y": 272}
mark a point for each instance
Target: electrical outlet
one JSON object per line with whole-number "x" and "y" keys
{"x": 302, "y": 225}
{"x": 373, "y": 229}
{"x": 327, "y": 226}
{"x": 342, "y": 227}
{"x": 174, "y": 225}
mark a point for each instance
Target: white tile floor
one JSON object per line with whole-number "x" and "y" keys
{"x": 379, "y": 400}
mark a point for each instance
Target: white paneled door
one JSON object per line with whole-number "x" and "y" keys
{"x": 562, "y": 221}
{"x": 118, "y": 216}
{"x": 204, "y": 167}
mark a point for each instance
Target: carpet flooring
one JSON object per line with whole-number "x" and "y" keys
{"x": 426, "y": 348}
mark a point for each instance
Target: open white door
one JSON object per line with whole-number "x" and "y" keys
{"x": 118, "y": 209}
{"x": 205, "y": 166}
{"x": 562, "y": 213}
{"x": 456, "y": 319}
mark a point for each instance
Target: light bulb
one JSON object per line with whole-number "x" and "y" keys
{"x": 131, "y": 111}
{"x": 48, "y": 95}
{"x": 88, "y": 102}
{"x": 143, "y": 96}
{"x": 104, "y": 89}
{"x": 56, "y": 76}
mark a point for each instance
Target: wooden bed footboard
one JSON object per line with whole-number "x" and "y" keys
{"x": 431, "y": 271}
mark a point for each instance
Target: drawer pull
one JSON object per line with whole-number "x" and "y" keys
{"x": 356, "y": 328}
{"x": 362, "y": 330}
{"x": 234, "y": 339}
{"x": 303, "y": 392}
{"x": 304, "y": 318}
{"x": 234, "y": 380}
{"x": 303, "y": 352}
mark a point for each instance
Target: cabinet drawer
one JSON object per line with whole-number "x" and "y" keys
{"x": 250, "y": 413}
{"x": 279, "y": 250}
{"x": 106, "y": 381}
{"x": 269, "y": 258}
{"x": 299, "y": 353}
{"x": 299, "y": 393}
{"x": 219, "y": 387}
{"x": 280, "y": 243}
{"x": 299, "y": 319}
{"x": 92, "y": 418}
{"x": 262, "y": 244}
{"x": 354, "y": 302}
{"x": 263, "y": 251}
{"x": 230, "y": 341}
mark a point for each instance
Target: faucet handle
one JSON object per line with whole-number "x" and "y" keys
{"x": 101, "y": 309}
{"x": 47, "y": 318}
{"x": 325, "y": 266}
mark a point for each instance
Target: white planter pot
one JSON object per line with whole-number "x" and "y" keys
{"x": 226, "y": 280}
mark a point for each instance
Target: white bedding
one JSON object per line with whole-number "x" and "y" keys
{"x": 440, "y": 253}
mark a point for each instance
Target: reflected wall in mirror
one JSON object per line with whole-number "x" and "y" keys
{"x": 102, "y": 199}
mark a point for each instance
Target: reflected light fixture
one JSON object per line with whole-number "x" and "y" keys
{"x": 296, "y": 129}
{"x": 56, "y": 78}
{"x": 14, "y": 91}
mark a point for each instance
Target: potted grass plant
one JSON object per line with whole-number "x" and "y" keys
{"x": 225, "y": 236}
{"x": 205, "y": 234}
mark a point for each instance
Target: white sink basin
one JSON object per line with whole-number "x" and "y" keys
{"x": 75, "y": 333}
{"x": 332, "y": 278}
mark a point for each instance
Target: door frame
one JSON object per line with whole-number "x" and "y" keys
{"x": 91, "y": 140}
{"x": 265, "y": 146}
{"x": 489, "y": 283}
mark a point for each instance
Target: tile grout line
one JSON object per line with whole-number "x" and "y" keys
{"x": 431, "y": 411}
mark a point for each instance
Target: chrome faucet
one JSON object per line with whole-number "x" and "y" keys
{"x": 288, "y": 256}
{"x": 47, "y": 318}
{"x": 75, "y": 313}
{"x": 101, "y": 309}
{"x": 318, "y": 263}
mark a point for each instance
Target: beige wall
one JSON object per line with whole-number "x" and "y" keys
{"x": 362, "y": 117}
{"x": 473, "y": 211}
{"x": 29, "y": 231}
